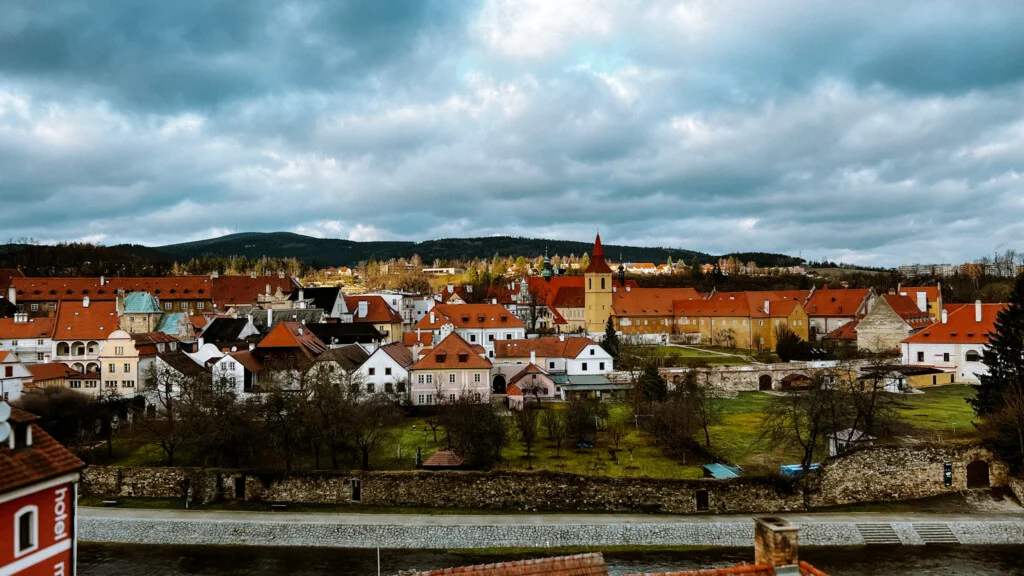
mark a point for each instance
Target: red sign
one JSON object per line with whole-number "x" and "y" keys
{"x": 37, "y": 533}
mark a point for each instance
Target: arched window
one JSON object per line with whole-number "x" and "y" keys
{"x": 590, "y": 283}
{"x": 63, "y": 349}
{"x": 26, "y": 530}
{"x": 602, "y": 283}
{"x": 973, "y": 356}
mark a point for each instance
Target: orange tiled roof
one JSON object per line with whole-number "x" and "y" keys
{"x": 847, "y": 331}
{"x": 78, "y": 322}
{"x": 45, "y": 459}
{"x": 550, "y": 347}
{"x": 165, "y": 288}
{"x": 571, "y": 297}
{"x": 650, "y": 301}
{"x": 293, "y": 335}
{"x": 453, "y": 353}
{"x": 377, "y": 310}
{"x": 399, "y": 353}
{"x": 907, "y": 309}
{"x": 424, "y": 338}
{"x": 780, "y": 304}
{"x": 597, "y": 262}
{"x": 591, "y": 564}
{"x": 444, "y": 459}
{"x": 833, "y": 303}
{"x": 931, "y": 292}
{"x": 51, "y": 371}
{"x": 960, "y": 327}
{"x": 470, "y": 316}
{"x": 6, "y": 274}
{"x": 33, "y": 329}
{"x": 245, "y": 290}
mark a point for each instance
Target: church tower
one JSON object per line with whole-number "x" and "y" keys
{"x": 598, "y": 285}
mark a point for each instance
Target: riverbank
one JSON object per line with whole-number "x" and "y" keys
{"x": 446, "y": 532}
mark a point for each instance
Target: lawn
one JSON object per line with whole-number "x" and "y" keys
{"x": 675, "y": 356}
{"x": 942, "y": 412}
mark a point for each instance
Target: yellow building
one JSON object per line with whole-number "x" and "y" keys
{"x": 598, "y": 290}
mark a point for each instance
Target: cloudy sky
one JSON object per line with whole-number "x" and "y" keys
{"x": 871, "y": 132}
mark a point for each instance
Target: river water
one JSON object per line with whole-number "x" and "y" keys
{"x": 131, "y": 560}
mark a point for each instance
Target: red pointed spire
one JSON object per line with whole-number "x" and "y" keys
{"x": 597, "y": 263}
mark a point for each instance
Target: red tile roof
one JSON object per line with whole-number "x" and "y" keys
{"x": 960, "y": 327}
{"x": 469, "y": 316}
{"x": 549, "y": 347}
{"x": 907, "y": 309}
{"x": 780, "y": 304}
{"x": 847, "y": 331}
{"x": 45, "y": 459}
{"x": 597, "y": 262}
{"x": 931, "y": 292}
{"x": 835, "y": 303}
{"x": 246, "y": 359}
{"x": 245, "y": 290}
{"x": 78, "y": 322}
{"x": 591, "y": 564}
{"x": 52, "y": 371}
{"x": 377, "y": 310}
{"x": 399, "y": 353}
{"x": 6, "y": 274}
{"x": 293, "y": 335}
{"x": 33, "y": 329}
{"x": 453, "y": 353}
{"x": 424, "y": 338}
{"x": 571, "y": 297}
{"x": 165, "y": 288}
{"x": 650, "y": 301}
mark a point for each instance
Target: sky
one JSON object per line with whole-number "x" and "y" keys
{"x": 871, "y": 132}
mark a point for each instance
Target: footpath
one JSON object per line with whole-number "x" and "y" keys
{"x": 425, "y": 531}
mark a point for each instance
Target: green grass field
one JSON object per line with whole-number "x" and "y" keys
{"x": 939, "y": 414}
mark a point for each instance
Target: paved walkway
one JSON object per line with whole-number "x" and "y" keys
{"x": 446, "y": 531}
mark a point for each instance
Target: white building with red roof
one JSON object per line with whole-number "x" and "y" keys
{"x": 13, "y": 376}
{"x": 30, "y": 338}
{"x": 480, "y": 324}
{"x": 38, "y": 498}
{"x": 956, "y": 343}
{"x": 453, "y": 369}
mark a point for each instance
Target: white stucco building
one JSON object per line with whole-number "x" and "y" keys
{"x": 956, "y": 343}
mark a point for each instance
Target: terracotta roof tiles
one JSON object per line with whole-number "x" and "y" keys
{"x": 377, "y": 310}
{"x": 453, "y": 353}
{"x": 836, "y": 303}
{"x": 650, "y": 301}
{"x": 469, "y": 316}
{"x": 75, "y": 321}
{"x": 43, "y": 460}
{"x": 35, "y": 328}
{"x": 549, "y": 347}
{"x": 961, "y": 327}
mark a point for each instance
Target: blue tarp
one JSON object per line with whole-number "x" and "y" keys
{"x": 796, "y": 470}
{"x": 722, "y": 471}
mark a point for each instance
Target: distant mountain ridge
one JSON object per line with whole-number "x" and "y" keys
{"x": 337, "y": 252}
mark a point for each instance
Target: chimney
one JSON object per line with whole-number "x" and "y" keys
{"x": 363, "y": 308}
{"x": 267, "y": 290}
{"x": 215, "y": 274}
{"x": 533, "y": 356}
{"x": 302, "y": 295}
{"x": 451, "y": 288}
{"x": 767, "y": 308}
{"x": 101, "y": 280}
{"x": 561, "y": 337}
{"x": 12, "y": 295}
{"x": 252, "y": 274}
{"x": 945, "y": 316}
{"x": 775, "y": 543}
{"x": 922, "y": 301}
{"x": 85, "y": 301}
{"x": 432, "y": 318}
{"x": 627, "y": 287}
{"x": 469, "y": 289}
{"x": 270, "y": 317}
{"x": 494, "y": 300}
{"x": 299, "y": 330}
{"x": 977, "y": 311}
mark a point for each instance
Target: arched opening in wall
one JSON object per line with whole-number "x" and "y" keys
{"x": 63, "y": 349}
{"x": 357, "y": 489}
{"x": 972, "y": 356}
{"x": 77, "y": 367}
{"x": 764, "y": 382}
{"x": 703, "y": 501}
{"x": 92, "y": 368}
{"x": 498, "y": 385}
{"x": 977, "y": 474}
{"x": 240, "y": 487}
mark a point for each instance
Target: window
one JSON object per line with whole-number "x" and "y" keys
{"x": 591, "y": 351}
{"x": 167, "y": 305}
{"x": 451, "y": 398}
{"x": 430, "y": 398}
{"x": 508, "y": 336}
{"x": 110, "y": 383}
{"x": 8, "y": 371}
{"x": 184, "y": 305}
{"x": 420, "y": 399}
{"x": 600, "y": 366}
{"x": 26, "y": 525}
{"x": 111, "y": 367}
{"x": 127, "y": 368}
{"x": 584, "y": 366}
{"x": 52, "y": 305}
{"x": 34, "y": 307}
{"x": 476, "y": 377}
{"x": 40, "y": 342}
{"x": 551, "y": 365}
{"x": 602, "y": 283}
{"x": 490, "y": 337}
{"x": 451, "y": 378}
{"x": 920, "y": 356}
{"x": 369, "y": 387}
{"x": 129, "y": 383}
{"x": 430, "y": 378}
{"x": 200, "y": 305}
{"x": 973, "y": 356}
{"x": 472, "y": 337}
{"x": 91, "y": 383}
{"x": 39, "y": 357}
{"x": 118, "y": 350}
{"x": 371, "y": 371}
{"x": 590, "y": 283}
{"x": 387, "y": 371}
{"x": 945, "y": 357}
{"x": 76, "y": 383}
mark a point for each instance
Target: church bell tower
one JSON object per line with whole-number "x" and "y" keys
{"x": 598, "y": 285}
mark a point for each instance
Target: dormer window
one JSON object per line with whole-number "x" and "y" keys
{"x": 463, "y": 357}
{"x": 465, "y": 318}
{"x": 442, "y": 356}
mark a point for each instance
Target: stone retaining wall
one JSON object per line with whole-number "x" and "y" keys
{"x": 869, "y": 475}
{"x": 1017, "y": 487}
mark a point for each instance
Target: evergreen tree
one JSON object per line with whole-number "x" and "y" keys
{"x": 1004, "y": 356}
{"x": 611, "y": 339}
{"x": 652, "y": 386}
{"x": 695, "y": 269}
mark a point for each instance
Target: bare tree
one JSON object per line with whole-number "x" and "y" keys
{"x": 173, "y": 417}
{"x": 370, "y": 424}
{"x": 526, "y": 426}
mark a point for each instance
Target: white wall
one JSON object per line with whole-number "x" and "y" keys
{"x": 464, "y": 382}
{"x": 593, "y": 355}
{"x": 966, "y": 372}
{"x": 381, "y": 362}
{"x": 29, "y": 349}
{"x": 11, "y": 386}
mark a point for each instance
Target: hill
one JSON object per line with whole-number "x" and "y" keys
{"x": 337, "y": 252}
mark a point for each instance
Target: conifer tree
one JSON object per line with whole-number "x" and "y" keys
{"x": 1004, "y": 356}
{"x": 611, "y": 339}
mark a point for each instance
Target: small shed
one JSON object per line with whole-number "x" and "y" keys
{"x": 845, "y": 440}
{"x": 721, "y": 471}
{"x": 444, "y": 460}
